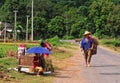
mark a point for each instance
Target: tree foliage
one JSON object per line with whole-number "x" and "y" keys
{"x": 65, "y": 17}
{"x": 56, "y": 27}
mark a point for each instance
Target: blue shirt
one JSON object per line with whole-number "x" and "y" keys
{"x": 86, "y": 45}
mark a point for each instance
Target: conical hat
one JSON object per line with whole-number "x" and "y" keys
{"x": 87, "y": 33}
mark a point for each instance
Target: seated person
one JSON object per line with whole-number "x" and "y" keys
{"x": 37, "y": 66}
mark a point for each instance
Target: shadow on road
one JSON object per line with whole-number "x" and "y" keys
{"x": 59, "y": 75}
{"x": 62, "y": 77}
{"x": 106, "y": 66}
{"x": 110, "y": 73}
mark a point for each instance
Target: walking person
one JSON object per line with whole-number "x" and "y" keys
{"x": 87, "y": 45}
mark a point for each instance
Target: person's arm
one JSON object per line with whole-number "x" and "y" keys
{"x": 92, "y": 46}
{"x": 81, "y": 45}
{"x": 81, "y": 49}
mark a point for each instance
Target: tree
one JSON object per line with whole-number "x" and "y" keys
{"x": 40, "y": 28}
{"x": 56, "y": 27}
{"x": 78, "y": 28}
{"x": 98, "y": 13}
{"x": 114, "y": 21}
{"x": 65, "y": 17}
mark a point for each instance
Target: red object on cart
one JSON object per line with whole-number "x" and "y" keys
{"x": 21, "y": 49}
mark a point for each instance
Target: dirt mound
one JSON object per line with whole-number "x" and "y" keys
{"x": 1, "y": 74}
{"x": 11, "y": 53}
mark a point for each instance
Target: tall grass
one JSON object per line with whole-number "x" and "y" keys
{"x": 6, "y": 47}
{"x": 111, "y": 42}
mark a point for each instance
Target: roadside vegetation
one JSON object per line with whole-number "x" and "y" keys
{"x": 60, "y": 52}
{"x": 8, "y": 63}
{"x": 111, "y": 43}
{"x": 66, "y": 18}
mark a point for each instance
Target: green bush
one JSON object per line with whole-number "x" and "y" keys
{"x": 112, "y": 42}
{"x": 68, "y": 37}
{"x": 117, "y": 43}
{"x": 54, "y": 41}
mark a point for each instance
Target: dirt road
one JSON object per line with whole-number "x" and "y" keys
{"x": 105, "y": 68}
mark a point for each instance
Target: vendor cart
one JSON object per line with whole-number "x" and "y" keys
{"x": 28, "y": 62}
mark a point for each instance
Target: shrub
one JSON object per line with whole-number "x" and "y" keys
{"x": 68, "y": 37}
{"x": 54, "y": 41}
{"x": 112, "y": 42}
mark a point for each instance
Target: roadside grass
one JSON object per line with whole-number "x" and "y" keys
{"x": 113, "y": 44}
{"x": 29, "y": 78}
{"x": 8, "y": 62}
{"x": 60, "y": 55}
{"x": 68, "y": 45}
{"x": 4, "y": 47}
{"x": 16, "y": 77}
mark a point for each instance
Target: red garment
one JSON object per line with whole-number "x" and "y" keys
{"x": 22, "y": 45}
{"x": 36, "y": 64}
{"x": 46, "y": 55}
{"x": 35, "y": 61}
{"x": 48, "y": 46}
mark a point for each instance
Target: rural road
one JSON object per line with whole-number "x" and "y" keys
{"x": 105, "y": 68}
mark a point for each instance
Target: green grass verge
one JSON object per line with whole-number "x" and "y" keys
{"x": 4, "y": 47}
{"x": 61, "y": 55}
{"x": 16, "y": 77}
{"x": 29, "y": 78}
{"x": 8, "y": 62}
{"x": 111, "y": 42}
